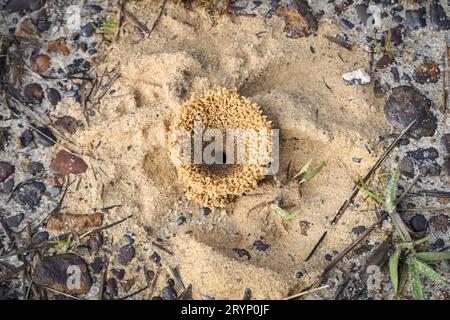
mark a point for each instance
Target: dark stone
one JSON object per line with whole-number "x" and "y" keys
{"x": 24, "y": 5}
{"x": 439, "y": 243}
{"x": 181, "y": 220}
{"x": 95, "y": 242}
{"x": 406, "y": 77}
{"x": 247, "y": 294}
{"x": 384, "y": 61}
{"x": 418, "y": 223}
{"x": 64, "y": 272}
{"x": 397, "y": 18}
{"x": 4, "y": 137}
{"x": 97, "y": 265}
{"x": 396, "y": 35}
{"x": 126, "y": 254}
{"x": 29, "y": 194}
{"x": 111, "y": 287}
{"x": 83, "y": 46}
{"x": 364, "y": 248}
{"x": 395, "y": 74}
{"x": 206, "y": 211}
{"x": 242, "y": 253}
{"x": 404, "y": 105}
{"x": 44, "y": 136}
{"x": 407, "y": 167}
{"x": 68, "y": 123}
{"x": 35, "y": 168}
{"x": 155, "y": 257}
{"x": 261, "y": 246}
{"x": 6, "y": 169}
{"x": 347, "y": 24}
{"x": 398, "y": 8}
{"x": 169, "y": 293}
{"x": 66, "y": 162}
{"x": 359, "y": 230}
{"x": 33, "y": 92}
{"x": 128, "y": 238}
{"x": 446, "y": 142}
{"x": 446, "y": 168}
{"x": 118, "y": 273}
{"x": 361, "y": 11}
{"x": 416, "y": 19}
{"x": 438, "y": 15}
{"x": 26, "y": 138}
{"x": 88, "y": 30}
{"x": 14, "y": 221}
{"x": 39, "y": 237}
{"x": 427, "y": 73}
{"x": 53, "y": 96}
{"x": 423, "y": 154}
{"x": 299, "y": 274}
{"x": 93, "y": 9}
{"x": 328, "y": 257}
{"x": 8, "y": 185}
{"x": 43, "y": 25}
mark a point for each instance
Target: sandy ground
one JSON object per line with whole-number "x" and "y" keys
{"x": 298, "y": 84}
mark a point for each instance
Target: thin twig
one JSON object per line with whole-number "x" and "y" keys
{"x": 343, "y": 253}
{"x": 403, "y": 195}
{"x": 105, "y": 227}
{"x": 301, "y": 294}
{"x": 158, "y": 17}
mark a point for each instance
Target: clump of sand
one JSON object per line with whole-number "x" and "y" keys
{"x": 217, "y": 184}
{"x": 298, "y": 84}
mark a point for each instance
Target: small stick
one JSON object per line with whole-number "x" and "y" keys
{"x": 399, "y": 199}
{"x": 59, "y": 292}
{"x": 135, "y": 20}
{"x": 343, "y": 253}
{"x": 162, "y": 248}
{"x": 105, "y": 227}
{"x": 298, "y": 295}
{"x": 12, "y": 273}
{"x": 158, "y": 17}
{"x": 316, "y": 246}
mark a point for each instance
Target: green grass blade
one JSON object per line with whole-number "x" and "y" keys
{"x": 292, "y": 215}
{"x": 307, "y": 177}
{"x": 107, "y": 26}
{"x": 429, "y": 272}
{"x": 391, "y": 191}
{"x": 393, "y": 269}
{"x": 433, "y": 256}
{"x": 371, "y": 195}
{"x": 403, "y": 277}
{"x": 305, "y": 168}
{"x": 416, "y": 284}
{"x": 286, "y": 215}
{"x": 279, "y": 210}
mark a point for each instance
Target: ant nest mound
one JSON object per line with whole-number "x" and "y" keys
{"x": 221, "y": 145}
